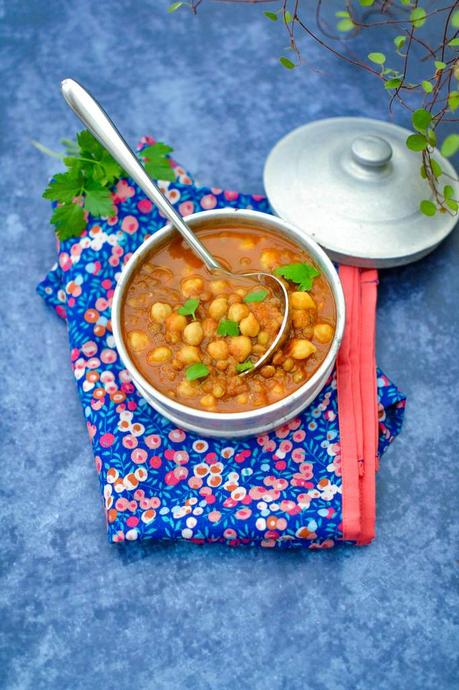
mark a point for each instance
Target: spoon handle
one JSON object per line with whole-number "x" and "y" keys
{"x": 99, "y": 124}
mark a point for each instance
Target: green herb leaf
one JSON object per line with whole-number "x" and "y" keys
{"x": 455, "y": 19}
{"x": 245, "y": 366}
{"x": 452, "y": 204}
{"x": 98, "y": 200}
{"x": 287, "y": 17}
{"x": 345, "y": 25}
{"x": 189, "y": 308}
{"x": 453, "y": 100}
{"x": 418, "y": 17}
{"x": 454, "y": 42}
{"x": 377, "y": 58}
{"x": 271, "y": 15}
{"x": 156, "y": 163}
{"x": 301, "y": 274}
{"x": 448, "y": 191}
{"x": 416, "y": 142}
{"x": 175, "y": 6}
{"x": 342, "y": 13}
{"x": 439, "y": 64}
{"x": 257, "y": 296}
{"x": 450, "y": 146}
{"x": 196, "y": 371}
{"x": 227, "y": 327}
{"x": 69, "y": 221}
{"x": 427, "y": 86}
{"x": 421, "y": 119}
{"x": 367, "y": 3}
{"x": 428, "y": 208}
{"x": 392, "y": 83}
{"x": 63, "y": 187}
{"x": 285, "y": 62}
{"x": 399, "y": 42}
{"x": 436, "y": 167}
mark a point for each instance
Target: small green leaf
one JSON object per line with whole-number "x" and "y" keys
{"x": 285, "y": 62}
{"x": 69, "y": 221}
{"x": 416, "y": 142}
{"x": 454, "y": 42}
{"x": 448, "y": 191}
{"x": 63, "y": 187}
{"x": 455, "y": 19}
{"x": 450, "y": 146}
{"x": 288, "y": 17}
{"x": 439, "y": 64}
{"x": 342, "y": 13}
{"x": 98, "y": 201}
{"x": 345, "y": 25}
{"x": 301, "y": 274}
{"x": 392, "y": 83}
{"x": 366, "y": 3}
{"x": 421, "y": 119}
{"x": 453, "y": 100}
{"x": 157, "y": 164}
{"x": 428, "y": 208}
{"x": 436, "y": 167}
{"x": 198, "y": 370}
{"x": 418, "y": 17}
{"x": 452, "y": 204}
{"x": 422, "y": 172}
{"x": 431, "y": 137}
{"x": 427, "y": 86}
{"x": 189, "y": 308}
{"x": 245, "y": 366}
{"x": 174, "y": 6}
{"x": 399, "y": 42}
{"x": 257, "y": 296}
{"x": 377, "y": 58}
{"x": 271, "y": 15}
{"x": 405, "y": 2}
{"x": 227, "y": 327}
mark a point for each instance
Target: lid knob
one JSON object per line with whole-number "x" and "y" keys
{"x": 371, "y": 151}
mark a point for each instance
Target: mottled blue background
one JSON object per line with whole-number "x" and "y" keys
{"x": 78, "y": 613}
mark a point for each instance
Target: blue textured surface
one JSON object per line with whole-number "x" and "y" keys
{"x": 78, "y": 613}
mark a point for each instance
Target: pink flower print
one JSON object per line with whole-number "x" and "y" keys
{"x": 141, "y": 474}
{"x": 229, "y": 533}
{"x": 65, "y": 261}
{"x": 91, "y": 430}
{"x": 132, "y": 534}
{"x": 195, "y": 483}
{"x": 112, "y": 475}
{"x": 294, "y": 423}
{"x": 98, "y": 462}
{"x": 74, "y": 354}
{"x": 108, "y": 356}
{"x": 210, "y": 498}
{"x": 117, "y": 250}
{"x": 257, "y": 197}
{"x": 208, "y": 201}
{"x": 171, "y": 479}
{"x": 214, "y": 516}
{"x": 306, "y": 470}
{"x": 230, "y": 195}
{"x": 128, "y": 388}
{"x": 140, "y": 494}
{"x": 118, "y": 537}
{"x": 132, "y": 521}
{"x": 282, "y": 431}
{"x": 186, "y": 208}
{"x": 200, "y": 446}
{"x": 173, "y": 195}
{"x": 261, "y": 440}
{"x": 239, "y": 493}
{"x": 155, "y": 462}
{"x": 112, "y": 220}
{"x": 121, "y": 504}
{"x": 130, "y": 441}
{"x": 130, "y": 225}
{"x": 139, "y": 456}
{"x": 285, "y": 446}
{"x": 107, "y": 376}
{"x": 270, "y": 446}
{"x": 181, "y": 457}
{"x": 155, "y": 502}
{"x": 152, "y": 441}
{"x": 102, "y": 304}
{"x": 242, "y": 455}
{"x": 89, "y": 348}
{"x": 177, "y": 435}
{"x": 137, "y": 429}
{"x": 298, "y": 455}
{"x": 243, "y": 513}
{"x": 333, "y": 449}
{"x": 113, "y": 261}
{"x": 145, "y": 206}
{"x": 299, "y": 436}
{"x": 123, "y": 190}
{"x": 107, "y": 440}
{"x": 93, "y": 363}
{"x": 148, "y": 516}
{"x": 229, "y": 502}
{"x": 227, "y": 453}
{"x": 181, "y": 473}
{"x": 280, "y": 465}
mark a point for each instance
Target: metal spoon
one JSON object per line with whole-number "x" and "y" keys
{"x": 100, "y": 125}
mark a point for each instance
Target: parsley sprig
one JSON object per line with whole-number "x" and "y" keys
{"x": 189, "y": 308}
{"x": 301, "y": 274}
{"x": 86, "y": 184}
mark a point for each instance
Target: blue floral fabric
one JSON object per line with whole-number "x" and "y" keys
{"x": 280, "y": 489}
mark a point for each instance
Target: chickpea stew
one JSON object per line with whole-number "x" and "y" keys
{"x": 191, "y": 335}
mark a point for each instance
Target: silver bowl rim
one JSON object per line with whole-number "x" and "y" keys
{"x": 317, "y": 254}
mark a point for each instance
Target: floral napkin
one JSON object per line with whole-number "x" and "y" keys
{"x": 282, "y": 489}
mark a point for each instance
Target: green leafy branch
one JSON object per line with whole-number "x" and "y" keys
{"x": 86, "y": 185}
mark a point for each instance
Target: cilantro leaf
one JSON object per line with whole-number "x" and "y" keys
{"x": 196, "y": 371}
{"x": 227, "y": 327}
{"x": 98, "y": 201}
{"x": 63, "y": 187}
{"x": 69, "y": 221}
{"x": 156, "y": 162}
{"x": 245, "y": 366}
{"x": 301, "y": 274}
{"x": 189, "y": 308}
{"x": 256, "y": 296}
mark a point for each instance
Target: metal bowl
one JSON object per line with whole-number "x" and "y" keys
{"x": 232, "y": 424}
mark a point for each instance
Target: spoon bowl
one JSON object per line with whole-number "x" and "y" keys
{"x": 100, "y": 125}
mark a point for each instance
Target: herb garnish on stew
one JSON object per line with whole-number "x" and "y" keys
{"x": 301, "y": 274}
{"x": 189, "y": 308}
{"x": 256, "y": 296}
{"x": 227, "y": 327}
{"x": 245, "y": 366}
{"x": 196, "y": 371}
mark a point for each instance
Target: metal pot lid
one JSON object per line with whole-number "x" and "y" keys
{"x": 352, "y": 185}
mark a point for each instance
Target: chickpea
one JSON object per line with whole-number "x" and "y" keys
{"x": 193, "y": 333}
{"x": 288, "y": 364}
{"x": 300, "y": 318}
{"x": 302, "y": 300}
{"x": 258, "y": 349}
{"x": 188, "y": 354}
{"x": 278, "y": 358}
{"x": 178, "y": 366}
{"x": 277, "y": 391}
{"x": 219, "y": 390}
{"x": 172, "y": 338}
{"x": 218, "y": 308}
{"x": 187, "y": 389}
{"x": 243, "y": 398}
{"x": 323, "y": 332}
{"x": 218, "y": 349}
{"x": 192, "y": 287}
{"x": 241, "y": 291}
{"x": 301, "y": 349}
{"x": 208, "y": 401}
{"x": 240, "y": 347}
{"x": 249, "y": 326}
{"x": 234, "y": 298}
{"x": 269, "y": 258}
{"x": 138, "y": 340}
{"x": 176, "y": 322}
{"x": 160, "y": 311}
{"x": 298, "y": 376}
{"x": 268, "y": 371}
{"x": 217, "y": 287}
{"x": 209, "y": 326}
{"x": 263, "y": 338}
{"x": 159, "y": 355}
{"x": 222, "y": 364}
{"x": 237, "y": 311}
